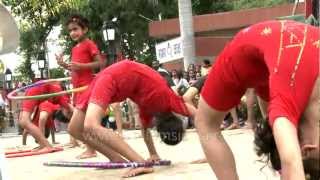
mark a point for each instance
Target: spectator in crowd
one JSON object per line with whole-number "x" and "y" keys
{"x": 191, "y": 67}
{"x": 163, "y": 72}
{"x": 185, "y": 75}
{"x": 197, "y": 69}
{"x": 192, "y": 77}
{"x": 198, "y": 75}
{"x": 181, "y": 84}
{"x": 206, "y": 66}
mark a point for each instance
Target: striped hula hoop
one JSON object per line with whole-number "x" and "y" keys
{"x": 12, "y": 94}
{"x": 106, "y": 165}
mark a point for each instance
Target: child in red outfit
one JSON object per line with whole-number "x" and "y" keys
{"x": 150, "y": 92}
{"x": 43, "y": 119}
{"x": 85, "y": 57}
{"x": 28, "y": 107}
{"x": 280, "y": 60}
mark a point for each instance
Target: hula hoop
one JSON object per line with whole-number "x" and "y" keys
{"x": 106, "y": 165}
{"x": 12, "y": 94}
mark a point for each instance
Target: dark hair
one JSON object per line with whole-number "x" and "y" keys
{"x": 58, "y": 115}
{"x": 265, "y": 144}
{"x": 79, "y": 20}
{"x": 170, "y": 128}
{"x": 46, "y": 132}
{"x": 155, "y": 65}
{"x": 312, "y": 168}
{"x": 206, "y": 62}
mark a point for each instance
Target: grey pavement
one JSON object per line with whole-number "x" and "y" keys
{"x": 240, "y": 141}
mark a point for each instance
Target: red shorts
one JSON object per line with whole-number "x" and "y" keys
{"x": 29, "y": 105}
{"x": 232, "y": 75}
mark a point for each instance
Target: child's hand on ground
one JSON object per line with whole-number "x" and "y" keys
{"x": 154, "y": 158}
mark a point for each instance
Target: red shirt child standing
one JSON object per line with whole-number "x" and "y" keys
{"x": 85, "y": 57}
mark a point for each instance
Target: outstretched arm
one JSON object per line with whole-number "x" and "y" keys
{"x": 286, "y": 138}
{"x": 147, "y": 137}
{"x": 190, "y": 94}
{"x": 191, "y": 109}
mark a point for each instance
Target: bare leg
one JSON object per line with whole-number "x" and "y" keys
{"x": 235, "y": 123}
{"x": 53, "y": 138}
{"x": 118, "y": 117}
{"x": 24, "y": 137}
{"x": 25, "y": 122}
{"x": 43, "y": 117}
{"x": 217, "y": 151}
{"x": 250, "y": 96}
{"x": 130, "y": 112}
{"x": 88, "y": 153}
{"x": 263, "y": 107}
{"x": 73, "y": 142}
{"x": 76, "y": 129}
{"x": 100, "y": 138}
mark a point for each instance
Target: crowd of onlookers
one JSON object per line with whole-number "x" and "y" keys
{"x": 243, "y": 115}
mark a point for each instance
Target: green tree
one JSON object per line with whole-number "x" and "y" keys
{"x": 246, "y": 4}
{"x": 57, "y": 73}
{"x": 37, "y": 19}
{"x": 39, "y": 16}
{"x": 133, "y": 39}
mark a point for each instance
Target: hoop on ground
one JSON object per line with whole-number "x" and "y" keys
{"x": 106, "y": 165}
{"x": 12, "y": 95}
{"x": 32, "y": 153}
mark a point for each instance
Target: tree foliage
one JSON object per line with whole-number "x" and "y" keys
{"x": 38, "y": 17}
{"x": 132, "y": 29}
{"x": 57, "y": 73}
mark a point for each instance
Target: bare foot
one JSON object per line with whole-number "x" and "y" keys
{"x": 248, "y": 125}
{"x": 37, "y": 148}
{"x": 199, "y": 161}
{"x": 233, "y": 126}
{"x": 46, "y": 149}
{"x": 71, "y": 145}
{"x": 223, "y": 126}
{"x": 87, "y": 154}
{"x": 137, "y": 171}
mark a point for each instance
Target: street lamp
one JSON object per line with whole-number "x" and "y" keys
{"x": 8, "y": 79}
{"x": 41, "y": 66}
{"x": 109, "y": 36}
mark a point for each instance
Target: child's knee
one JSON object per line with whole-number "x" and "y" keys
{"x": 75, "y": 131}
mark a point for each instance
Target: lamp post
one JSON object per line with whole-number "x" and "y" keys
{"x": 8, "y": 79}
{"x": 41, "y": 66}
{"x": 109, "y": 36}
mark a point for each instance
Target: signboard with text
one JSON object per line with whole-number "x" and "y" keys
{"x": 169, "y": 50}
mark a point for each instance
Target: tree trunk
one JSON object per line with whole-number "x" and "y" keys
{"x": 186, "y": 31}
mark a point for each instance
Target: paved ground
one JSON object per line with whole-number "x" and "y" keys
{"x": 240, "y": 141}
